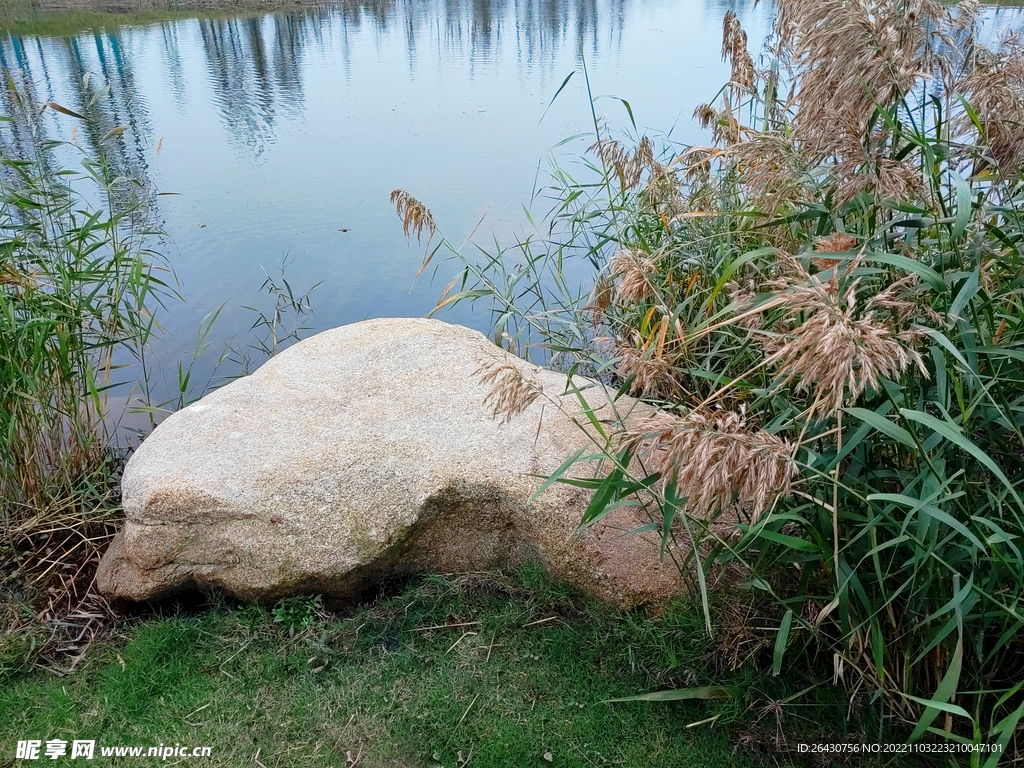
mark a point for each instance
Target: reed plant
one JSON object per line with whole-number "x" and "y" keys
{"x": 78, "y": 284}
{"x": 826, "y": 304}
{"x": 81, "y": 285}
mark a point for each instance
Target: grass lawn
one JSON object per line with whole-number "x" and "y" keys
{"x": 447, "y": 671}
{"x": 56, "y": 17}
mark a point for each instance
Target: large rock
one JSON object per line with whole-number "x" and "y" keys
{"x": 363, "y": 452}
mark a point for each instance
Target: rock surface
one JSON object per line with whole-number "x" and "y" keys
{"x": 360, "y": 453}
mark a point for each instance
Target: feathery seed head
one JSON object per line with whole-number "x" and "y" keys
{"x": 653, "y": 375}
{"x": 995, "y": 90}
{"x": 832, "y": 351}
{"x": 903, "y": 299}
{"x": 11, "y": 276}
{"x": 634, "y": 270}
{"x": 627, "y": 167}
{"x": 601, "y": 297}
{"x": 773, "y": 170}
{"x": 416, "y": 217}
{"x": 705, "y": 115}
{"x": 512, "y": 390}
{"x": 725, "y": 128}
{"x": 697, "y": 164}
{"x": 837, "y": 242}
{"x": 716, "y": 459}
{"x": 966, "y": 14}
{"x": 734, "y": 50}
{"x": 853, "y": 55}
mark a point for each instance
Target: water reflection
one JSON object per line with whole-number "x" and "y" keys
{"x": 285, "y": 133}
{"x": 254, "y": 64}
{"x": 98, "y": 83}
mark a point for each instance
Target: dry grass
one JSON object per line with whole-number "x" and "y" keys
{"x": 740, "y": 635}
{"x": 47, "y": 578}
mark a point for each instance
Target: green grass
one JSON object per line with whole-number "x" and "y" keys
{"x": 18, "y": 17}
{"x": 310, "y": 687}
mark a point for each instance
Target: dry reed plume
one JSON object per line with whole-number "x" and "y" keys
{"x": 643, "y": 156}
{"x": 697, "y": 164}
{"x": 834, "y": 243}
{"x": 614, "y": 156}
{"x": 634, "y": 271}
{"x": 416, "y": 217}
{"x": 832, "y": 351}
{"x": 725, "y": 128}
{"x": 715, "y": 460}
{"x": 601, "y": 298}
{"x": 663, "y": 191}
{"x": 627, "y": 166}
{"x": 995, "y": 89}
{"x": 772, "y": 168}
{"x": 652, "y": 375}
{"x": 890, "y": 179}
{"x": 852, "y": 55}
{"x": 11, "y": 276}
{"x": 837, "y": 242}
{"x": 904, "y": 299}
{"x": 734, "y": 50}
{"x": 512, "y": 390}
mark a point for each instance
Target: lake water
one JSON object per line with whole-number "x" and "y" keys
{"x": 278, "y": 131}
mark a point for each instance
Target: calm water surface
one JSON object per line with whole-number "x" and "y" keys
{"x": 280, "y": 130}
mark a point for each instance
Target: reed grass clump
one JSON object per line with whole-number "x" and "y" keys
{"x": 76, "y": 293}
{"x": 77, "y": 287}
{"x": 827, "y": 305}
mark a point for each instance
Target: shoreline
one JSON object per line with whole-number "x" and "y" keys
{"x": 125, "y": 7}
{"x": 67, "y": 17}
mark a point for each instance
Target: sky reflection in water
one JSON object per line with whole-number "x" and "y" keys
{"x": 280, "y": 130}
